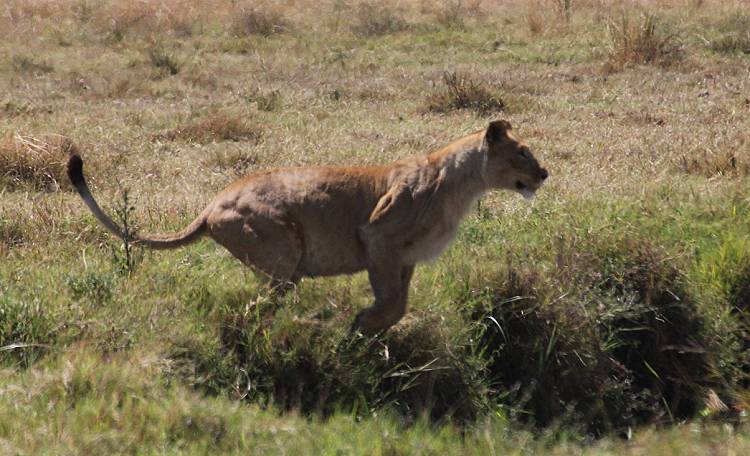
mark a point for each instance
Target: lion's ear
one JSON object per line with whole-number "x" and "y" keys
{"x": 497, "y": 131}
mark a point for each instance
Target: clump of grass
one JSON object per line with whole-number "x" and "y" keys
{"x": 26, "y": 329}
{"x": 648, "y": 41}
{"x": 265, "y": 101}
{"x": 460, "y": 91}
{"x": 215, "y": 127}
{"x": 722, "y": 276}
{"x": 270, "y": 354}
{"x": 163, "y": 60}
{"x": 452, "y": 14}
{"x": 734, "y": 34}
{"x": 94, "y": 286}
{"x": 258, "y": 22}
{"x": 377, "y": 20}
{"x": 709, "y": 164}
{"x": 28, "y": 65}
{"x": 624, "y": 346}
{"x": 121, "y": 19}
{"x": 656, "y": 333}
{"x": 733, "y": 43}
{"x": 37, "y": 162}
{"x": 535, "y": 21}
{"x": 11, "y": 234}
{"x": 238, "y": 161}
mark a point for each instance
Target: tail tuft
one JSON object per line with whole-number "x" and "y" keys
{"x": 75, "y": 170}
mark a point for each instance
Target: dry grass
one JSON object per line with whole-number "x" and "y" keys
{"x": 262, "y": 22}
{"x": 265, "y": 101}
{"x": 120, "y": 21}
{"x": 28, "y": 65}
{"x": 37, "y": 162}
{"x": 733, "y": 43}
{"x": 373, "y": 19}
{"x": 734, "y": 35}
{"x": 710, "y": 164}
{"x": 453, "y": 14}
{"x": 220, "y": 126}
{"x": 164, "y": 61}
{"x": 238, "y": 162}
{"x": 646, "y": 41}
{"x": 461, "y": 91}
{"x": 11, "y": 235}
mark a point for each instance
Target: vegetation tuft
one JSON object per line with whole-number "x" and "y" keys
{"x": 220, "y": 126}
{"x": 26, "y": 64}
{"x": 238, "y": 161}
{"x": 260, "y": 22}
{"x": 374, "y": 20}
{"x": 35, "y": 162}
{"x": 461, "y": 91}
{"x": 648, "y": 41}
{"x": 165, "y": 61}
{"x": 709, "y": 164}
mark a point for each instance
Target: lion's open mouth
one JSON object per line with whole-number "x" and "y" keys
{"x": 525, "y": 190}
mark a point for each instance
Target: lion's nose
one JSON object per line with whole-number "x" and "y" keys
{"x": 543, "y": 173}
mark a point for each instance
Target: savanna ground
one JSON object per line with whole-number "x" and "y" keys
{"x": 608, "y": 316}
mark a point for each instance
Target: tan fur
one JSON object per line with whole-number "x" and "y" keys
{"x": 320, "y": 221}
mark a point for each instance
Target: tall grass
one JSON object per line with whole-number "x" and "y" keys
{"x": 644, "y": 41}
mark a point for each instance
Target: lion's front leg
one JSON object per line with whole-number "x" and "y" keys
{"x": 390, "y": 285}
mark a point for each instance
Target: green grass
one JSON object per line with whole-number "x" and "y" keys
{"x": 609, "y": 316}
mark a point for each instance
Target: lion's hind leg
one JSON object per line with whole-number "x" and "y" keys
{"x": 264, "y": 242}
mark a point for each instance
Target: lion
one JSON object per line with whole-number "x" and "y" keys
{"x": 291, "y": 223}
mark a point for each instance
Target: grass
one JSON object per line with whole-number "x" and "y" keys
{"x": 461, "y": 91}
{"x": 258, "y": 22}
{"x": 609, "y": 316}
{"x": 220, "y": 126}
{"x": 35, "y": 162}
{"x": 374, "y": 20}
{"x": 164, "y": 61}
{"x": 643, "y": 41}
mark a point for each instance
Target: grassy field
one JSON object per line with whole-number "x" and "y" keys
{"x": 608, "y": 316}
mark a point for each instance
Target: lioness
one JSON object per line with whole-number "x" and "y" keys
{"x": 320, "y": 221}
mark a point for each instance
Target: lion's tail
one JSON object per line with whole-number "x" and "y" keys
{"x": 165, "y": 241}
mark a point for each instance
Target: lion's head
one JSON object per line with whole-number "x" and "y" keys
{"x": 510, "y": 163}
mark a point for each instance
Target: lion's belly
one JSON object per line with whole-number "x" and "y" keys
{"x": 331, "y": 253}
{"x": 429, "y": 245}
